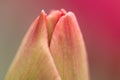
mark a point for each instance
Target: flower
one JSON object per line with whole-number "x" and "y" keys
{"x": 52, "y": 49}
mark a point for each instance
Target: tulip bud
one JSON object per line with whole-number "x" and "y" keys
{"x": 52, "y": 49}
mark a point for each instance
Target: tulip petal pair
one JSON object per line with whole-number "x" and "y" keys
{"x": 52, "y": 49}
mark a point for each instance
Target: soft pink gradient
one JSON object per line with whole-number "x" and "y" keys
{"x": 102, "y": 22}
{"x": 99, "y": 21}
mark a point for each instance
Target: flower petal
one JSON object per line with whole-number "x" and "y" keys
{"x": 33, "y": 61}
{"x": 52, "y": 19}
{"x": 68, "y": 49}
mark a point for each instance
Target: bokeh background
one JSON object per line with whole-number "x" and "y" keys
{"x": 99, "y": 22}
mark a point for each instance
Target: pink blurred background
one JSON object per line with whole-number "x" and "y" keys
{"x": 99, "y": 21}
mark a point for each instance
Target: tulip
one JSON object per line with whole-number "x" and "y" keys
{"x": 52, "y": 49}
